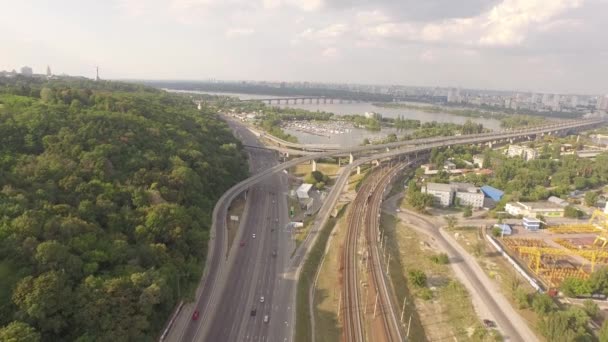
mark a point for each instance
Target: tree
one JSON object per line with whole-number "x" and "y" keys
{"x": 468, "y": 211}
{"x": 451, "y": 221}
{"x": 603, "y": 333}
{"x": 572, "y": 212}
{"x": 573, "y": 287}
{"x": 522, "y": 298}
{"x": 19, "y": 332}
{"x": 591, "y": 198}
{"x": 591, "y": 308}
{"x": 542, "y": 303}
{"x": 417, "y": 277}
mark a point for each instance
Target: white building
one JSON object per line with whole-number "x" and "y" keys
{"x": 447, "y": 194}
{"x": 478, "y": 160}
{"x": 606, "y": 209}
{"x": 527, "y": 153}
{"x": 303, "y": 190}
{"x": 532, "y": 209}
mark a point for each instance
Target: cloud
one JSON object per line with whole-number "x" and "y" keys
{"x": 239, "y": 32}
{"x": 307, "y": 5}
{"x": 427, "y": 56}
{"x": 330, "y": 52}
{"x": 506, "y": 24}
{"x": 371, "y": 17}
{"x": 327, "y": 35}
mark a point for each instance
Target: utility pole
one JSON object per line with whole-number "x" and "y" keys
{"x": 376, "y": 304}
{"x": 403, "y": 309}
{"x": 340, "y": 305}
{"x": 387, "y": 265}
{"x": 408, "y": 326}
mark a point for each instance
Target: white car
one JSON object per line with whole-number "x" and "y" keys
{"x": 253, "y": 236}
{"x": 262, "y": 299}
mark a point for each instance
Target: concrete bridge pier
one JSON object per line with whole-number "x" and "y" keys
{"x": 317, "y": 101}
{"x": 314, "y": 165}
{"x": 358, "y": 170}
{"x": 375, "y": 162}
{"x": 351, "y": 158}
{"x": 388, "y": 149}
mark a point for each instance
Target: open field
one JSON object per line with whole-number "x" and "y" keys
{"x": 327, "y": 293}
{"x": 326, "y": 168}
{"x": 445, "y": 307}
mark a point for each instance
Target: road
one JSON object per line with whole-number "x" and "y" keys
{"x": 487, "y": 298}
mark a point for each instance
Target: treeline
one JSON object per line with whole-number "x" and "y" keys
{"x": 245, "y": 88}
{"x": 106, "y": 194}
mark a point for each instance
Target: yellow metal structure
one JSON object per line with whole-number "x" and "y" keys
{"x": 537, "y": 253}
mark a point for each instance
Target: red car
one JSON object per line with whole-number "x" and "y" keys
{"x": 195, "y": 315}
{"x": 242, "y": 243}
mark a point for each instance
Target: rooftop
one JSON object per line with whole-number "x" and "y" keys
{"x": 439, "y": 187}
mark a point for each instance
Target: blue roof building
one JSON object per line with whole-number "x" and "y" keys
{"x": 493, "y": 193}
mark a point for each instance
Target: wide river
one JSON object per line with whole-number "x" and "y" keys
{"x": 355, "y": 136}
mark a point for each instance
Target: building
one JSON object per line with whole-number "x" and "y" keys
{"x": 303, "y": 190}
{"x": 527, "y": 153}
{"x": 558, "y": 201}
{"x": 533, "y": 209}
{"x": 505, "y": 229}
{"x": 448, "y": 165}
{"x": 443, "y": 194}
{"x": 606, "y": 209}
{"x": 26, "y": 71}
{"x": 531, "y": 224}
{"x": 468, "y": 194}
{"x": 478, "y": 160}
{"x": 49, "y": 74}
{"x": 463, "y": 193}
{"x": 493, "y": 193}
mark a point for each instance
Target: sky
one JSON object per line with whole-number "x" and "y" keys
{"x": 558, "y": 46}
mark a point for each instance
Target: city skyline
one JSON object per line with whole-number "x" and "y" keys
{"x": 527, "y": 46}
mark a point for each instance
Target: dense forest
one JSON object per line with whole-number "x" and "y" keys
{"x": 106, "y": 194}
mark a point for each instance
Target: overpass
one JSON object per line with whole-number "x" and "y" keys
{"x": 210, "y": 289}
{"x": 302, "y": 99}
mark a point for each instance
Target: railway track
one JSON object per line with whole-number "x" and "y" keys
{"x": 365, "y": 212}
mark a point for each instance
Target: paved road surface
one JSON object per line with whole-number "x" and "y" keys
{"x": 484, "y": 292}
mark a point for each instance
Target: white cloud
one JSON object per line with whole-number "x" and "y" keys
{"x": 327, "y": 35}
{"x": 239, "y": 32}
{"x": 371, "y": 17}
{"x": 506, "y": 24}
{"x": 427, "y": 56}
{"x": 307, "y": 5}
{"x": 330, "y": 52}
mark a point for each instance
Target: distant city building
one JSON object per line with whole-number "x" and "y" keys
{"x": 453, "y": 95}
{"x": 48, "y": 72}
{"x": 602, "y": 103}
{"x": 527, "y": 153}
{"x": 26, "y": 71}
{"x": 533, "y": 209}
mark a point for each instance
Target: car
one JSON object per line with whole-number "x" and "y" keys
{"x": 274, "y": 253}
{"x": 276, "y": 220}
{"x": 253, "y": 311}
{"x": 242, "y": 243}
{"x": 489, "y": 323}
{"x": 398, "y": 210}
{"x": 195, "y": 315}
{"x": 262, "y": 299}
{"x": 266, "y": 319}
{"x": 253, "y": 236}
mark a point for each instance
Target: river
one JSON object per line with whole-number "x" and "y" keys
{"x": 355, "y": 136}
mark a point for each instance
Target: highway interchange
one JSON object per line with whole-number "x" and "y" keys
{"x": 226, "y": 295}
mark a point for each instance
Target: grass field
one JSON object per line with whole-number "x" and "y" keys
{"x": 499, "y": 270}
{"x": 326, "y": 168}
{"x": 449, "y": 315}
{"x": 236, "y": 208}
{"x": 307, "y": 275}
{"x": 327, "y": 292}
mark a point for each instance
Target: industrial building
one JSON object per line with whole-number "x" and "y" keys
{"x": 533, "y": 209}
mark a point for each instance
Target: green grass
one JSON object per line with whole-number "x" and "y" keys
{"x": 307, "y": 277}
{"x": 388, "y": 224}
